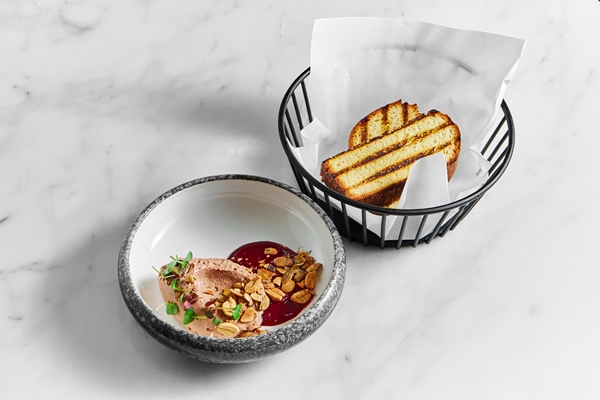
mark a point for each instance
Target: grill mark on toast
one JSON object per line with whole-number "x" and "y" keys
{"x": 404, "y": 163}
{"x": 396, "y": 146}
{"x": 364, "y": 134}
{"x": 385, "y": 197}
{"x": 363, "y": 128}
{"x": 378, "y": 144}
{"x": 389, "y": 118}
{"x": 384, "y": 118}
{"x": 388, "y": 195}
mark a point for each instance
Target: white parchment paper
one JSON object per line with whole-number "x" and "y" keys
{"x": 362, "y": 63}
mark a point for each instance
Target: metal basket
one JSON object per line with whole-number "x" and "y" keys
{"x": 295, "y": 113}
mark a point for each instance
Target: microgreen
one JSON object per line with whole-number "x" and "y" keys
{"x": 190, "y": 315}
{"x": 175, "y": 267}
{"x": 183, "y": 262}
{"x": 175, "y": 285}
{"x": 169, "y": 268}
{"x": 171, "y": 308}
{"x": 236, "y": 312}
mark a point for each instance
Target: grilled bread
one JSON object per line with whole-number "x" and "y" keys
{"x": 384, "y": 120}
{"x": 375, "y": 172}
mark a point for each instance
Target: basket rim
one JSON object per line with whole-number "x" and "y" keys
{"x": 383, "y": 210}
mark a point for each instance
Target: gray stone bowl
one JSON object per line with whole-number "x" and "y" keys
{"x": 211, "y": 217}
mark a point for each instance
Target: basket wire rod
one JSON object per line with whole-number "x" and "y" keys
{"x": 498, "y": 146}
{"x": 491, "y": 139}
{"x": 401, "y": 234}
{"x": 444, "y": 229}
{"x": 306, "y": 102}
{"x": 288, "y": 135}
{"x": 448, "y": 226}
{"x": 300, "y": 180}
{"x": 296, "y": 140}
{"x": 466, "y": 211}
{"x": 364, "y": 226}
{"x": 289, "y": 129}
{"x": 329, "y": 206}
{"x": 496, "y": 166}
{"x": 313, "y": 194}
{"x": 416, "y": 239}
{"x": 347, "y": 222}
{"x": 382, "y": 234}
{"x": 297, "y": 110}
{"x": 437, "y": 227}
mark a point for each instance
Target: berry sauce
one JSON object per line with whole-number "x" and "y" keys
{"x": 252, "y": 256}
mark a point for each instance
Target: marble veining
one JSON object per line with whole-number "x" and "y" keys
{"x": 106, "y": 105}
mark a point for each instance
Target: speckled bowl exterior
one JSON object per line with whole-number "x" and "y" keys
{"x": 237, "y": 350}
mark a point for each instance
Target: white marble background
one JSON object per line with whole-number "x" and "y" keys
{"x": 104, "y": 105}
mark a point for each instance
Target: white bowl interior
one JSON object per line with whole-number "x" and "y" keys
{"x": 213, "y": 218}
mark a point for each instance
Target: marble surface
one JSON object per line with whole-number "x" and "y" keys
{"x": 105, "y": 105}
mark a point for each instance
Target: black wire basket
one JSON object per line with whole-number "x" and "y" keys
{"x": 426, "y": 223}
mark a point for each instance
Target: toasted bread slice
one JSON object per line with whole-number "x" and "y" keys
{"x": 375, "y": 172}
{"x": 384, "y": 120}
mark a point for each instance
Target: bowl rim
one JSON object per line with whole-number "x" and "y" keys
{"x": 224, "y": 350}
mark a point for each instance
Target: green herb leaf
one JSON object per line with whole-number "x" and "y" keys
{"x": 173, "y": 266}
{"x": 169, "y": 266}
{"x": 175, "y": 285}
{"x": 208, "y": 313}
{"x": 166, "y": 272}
{"x": 236, "y": 312}
{"x": 172, "y": 309}
{"x": 189, "y": 316}
{"x": 216, "y": 321}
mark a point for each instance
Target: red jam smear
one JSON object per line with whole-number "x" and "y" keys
{"x": 250, "y": 256}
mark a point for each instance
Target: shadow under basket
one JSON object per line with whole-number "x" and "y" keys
{"x": 378, "y": 226}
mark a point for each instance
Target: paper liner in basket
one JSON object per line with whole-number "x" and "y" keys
{"x": 363, "y": 63}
